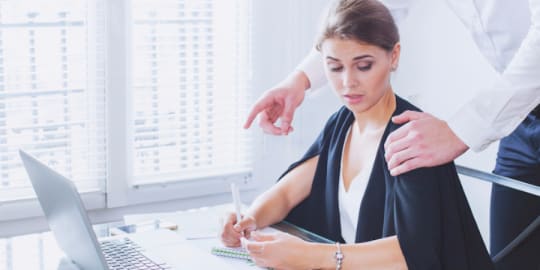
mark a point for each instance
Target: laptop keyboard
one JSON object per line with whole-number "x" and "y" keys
{"x": 124, "y": 254}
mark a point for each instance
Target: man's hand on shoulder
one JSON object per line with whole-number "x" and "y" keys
{"x": 424, "y": 141}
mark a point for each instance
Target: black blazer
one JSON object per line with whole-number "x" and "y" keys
{"x": 426, "y": 208}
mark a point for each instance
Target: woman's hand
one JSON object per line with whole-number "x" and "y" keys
{"x": 231, "y": 231}
{"x": 279, "y": 251}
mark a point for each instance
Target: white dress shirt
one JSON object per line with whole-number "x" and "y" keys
{"x": 507, "y": 32}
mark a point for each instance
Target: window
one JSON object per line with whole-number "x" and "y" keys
{"x": 186, "y": 68}
{"x": 124, "y": 98}
{"x": 189, "y": 80}
{"x": 52, "y": 92}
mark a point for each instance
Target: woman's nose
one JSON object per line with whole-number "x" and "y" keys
{"x": 349, "y": 80}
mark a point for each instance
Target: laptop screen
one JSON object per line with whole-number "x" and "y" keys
{"x": 65, "y": 214}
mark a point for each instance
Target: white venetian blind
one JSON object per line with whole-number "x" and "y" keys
{"x": 190, "y": 75}
{"x": 52, "y": 91}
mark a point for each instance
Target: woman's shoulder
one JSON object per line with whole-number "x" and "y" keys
{"x": 341, "y": 115}
{"x": 403, "y": 105}
{"x": 340, "y": 118}
{"x": 441, "y": 172}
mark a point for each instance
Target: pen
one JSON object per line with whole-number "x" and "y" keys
{"x": 236, "y": 201}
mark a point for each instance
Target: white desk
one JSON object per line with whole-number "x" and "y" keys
{"x": 40, "y": 251}
{"x": 37, "y": 251}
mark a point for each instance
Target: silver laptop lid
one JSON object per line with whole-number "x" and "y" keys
{"x": 65, "y": 214}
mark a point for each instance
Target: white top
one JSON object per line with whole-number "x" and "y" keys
{"x": 507, "y": 32}
{"x": 349, "y": 201}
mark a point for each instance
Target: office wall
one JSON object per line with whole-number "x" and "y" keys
{"x": 440, "y": 68}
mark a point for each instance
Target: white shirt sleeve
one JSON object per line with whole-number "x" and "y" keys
{"x": 493, "y": 114}
{"x": 312, "y": 64}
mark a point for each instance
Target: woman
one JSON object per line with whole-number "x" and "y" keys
{"x": 342, "y": 189}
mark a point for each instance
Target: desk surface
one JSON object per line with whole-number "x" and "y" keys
{"x": 40, "y": 251}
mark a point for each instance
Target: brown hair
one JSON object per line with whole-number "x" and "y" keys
{"x": 367, "y": 21}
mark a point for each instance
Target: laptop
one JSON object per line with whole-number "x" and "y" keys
{"x": 71, "y": 227}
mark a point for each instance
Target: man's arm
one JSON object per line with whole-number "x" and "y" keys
{"x": 494, "y": 114}
{"x": 488, "y": 117}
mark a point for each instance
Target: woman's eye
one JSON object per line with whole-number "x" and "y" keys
{"x": 336, "y": 69}
{"x": 364, "y": 67}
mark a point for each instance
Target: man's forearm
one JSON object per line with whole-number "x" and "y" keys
{"x": 493, "y": 114}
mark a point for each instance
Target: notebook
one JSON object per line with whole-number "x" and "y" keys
{"x": 236, "y": 253}
{"x": 239, "y": 252}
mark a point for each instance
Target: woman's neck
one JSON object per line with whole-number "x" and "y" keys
{"x": 376, "y": 118}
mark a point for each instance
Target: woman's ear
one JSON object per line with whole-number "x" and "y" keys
{"x": 395, "y": 56}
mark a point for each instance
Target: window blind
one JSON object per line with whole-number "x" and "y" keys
{"x": 190, "y": 82}
{"x": 52, "y": 91}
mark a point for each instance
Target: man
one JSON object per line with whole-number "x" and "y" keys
{"x": 508, "y": 35}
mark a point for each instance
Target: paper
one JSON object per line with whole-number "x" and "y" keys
{"x": 202, "y": 227}
{"x": 192, "y": 224}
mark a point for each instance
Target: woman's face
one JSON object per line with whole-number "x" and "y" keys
{"x": 359, "y": 72}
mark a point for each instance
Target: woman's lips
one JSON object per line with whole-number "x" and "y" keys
{"x": 353, "y": 99}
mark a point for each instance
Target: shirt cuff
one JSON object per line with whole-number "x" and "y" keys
{"x": 312, "y": 66}
{"x": 471, "y": 132}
